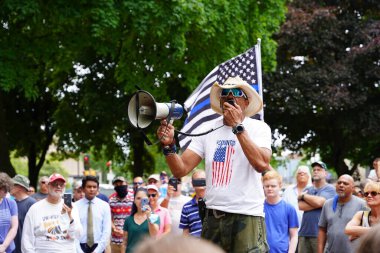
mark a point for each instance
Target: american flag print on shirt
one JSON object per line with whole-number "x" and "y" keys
{"x": 222, "y": 163}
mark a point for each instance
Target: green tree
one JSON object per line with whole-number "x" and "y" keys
{"x": 68, "y": 68}
{"x": 325, "y": 94}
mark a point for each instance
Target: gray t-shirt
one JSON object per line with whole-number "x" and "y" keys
{"x": 38, "y": 196}
{"x": 335, "y": 222}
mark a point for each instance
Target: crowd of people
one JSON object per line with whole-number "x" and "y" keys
{"x": 238, "y": 204}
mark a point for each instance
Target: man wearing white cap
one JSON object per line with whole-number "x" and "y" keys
{"x": 235, "y": 156}
{"x": 50, "y": 225}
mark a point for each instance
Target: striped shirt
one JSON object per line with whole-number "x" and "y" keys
{"x": 120, "y": 209}
{"x": 190, "y": 218}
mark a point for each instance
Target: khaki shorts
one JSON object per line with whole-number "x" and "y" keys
{"x": 236, "y": 233}
{"x": 307, "y": 244}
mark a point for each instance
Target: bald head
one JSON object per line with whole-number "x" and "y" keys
{"x": 347, "y": 178}
{"x": 345, "y": 187}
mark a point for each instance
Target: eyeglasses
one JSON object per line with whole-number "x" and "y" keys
{"x": 235, "y": 92}
{"x": 153, "y": 195}
{"x": 56, "y": 184}
{"x": 137, "y": 183}
{"x": 373, "y": 194}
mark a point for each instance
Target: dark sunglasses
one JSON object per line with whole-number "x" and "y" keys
{"x": 373, "y": 194}
{"x": 152, "y": 195}
{"x": 137, "y": 183}
{"x": 235, "y": 92}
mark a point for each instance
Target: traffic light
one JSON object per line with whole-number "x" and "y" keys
{"x": 86, "y": 162}
{"x": 89, "y": 172}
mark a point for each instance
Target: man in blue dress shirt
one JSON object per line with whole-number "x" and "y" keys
{"x": 95, "y": 217}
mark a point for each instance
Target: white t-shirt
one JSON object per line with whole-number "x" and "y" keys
{"x": 175, "y": 209}
{"x": 373, "y": 176}
{"x": 46, "y": 230}
{"x": 232, "y": 184}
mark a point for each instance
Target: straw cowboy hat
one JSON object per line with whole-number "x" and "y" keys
{"x": 255, "y": 102}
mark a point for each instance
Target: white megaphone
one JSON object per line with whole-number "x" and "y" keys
{"x": 143, "y": 110}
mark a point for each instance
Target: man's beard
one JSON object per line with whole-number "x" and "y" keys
{"x": 56, "y": 194}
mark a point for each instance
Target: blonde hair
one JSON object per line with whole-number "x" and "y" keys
{"x": 374, "y": 186}
{"x": 272, "y": 174}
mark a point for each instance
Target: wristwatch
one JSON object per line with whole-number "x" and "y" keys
{"x": 239, "y": 128}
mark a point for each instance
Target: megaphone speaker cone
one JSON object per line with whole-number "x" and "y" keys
{"x": 142, "y": 109}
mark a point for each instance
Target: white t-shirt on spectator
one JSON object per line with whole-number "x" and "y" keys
{"x": 46, "y": 230}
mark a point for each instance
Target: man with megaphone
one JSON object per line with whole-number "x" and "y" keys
{"x": 235, "y": 156}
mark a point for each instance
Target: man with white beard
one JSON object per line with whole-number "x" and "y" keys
{"x": 50, "y": 225}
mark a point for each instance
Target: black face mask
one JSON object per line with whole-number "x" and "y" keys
{"x": 121, "y": 190}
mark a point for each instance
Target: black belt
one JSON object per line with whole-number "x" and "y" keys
{"x": 217, "y": 213}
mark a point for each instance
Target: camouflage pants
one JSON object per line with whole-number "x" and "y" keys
{"x": 236, "y": 233}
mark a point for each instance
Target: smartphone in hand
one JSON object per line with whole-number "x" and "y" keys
{"x": 67, "y": 198}
{"x": 144, "y": 203}
{"x": 173, "y": 182}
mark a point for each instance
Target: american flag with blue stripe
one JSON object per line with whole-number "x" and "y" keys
{"x": 222, "y": 163}
{"x": 246, "y": 65}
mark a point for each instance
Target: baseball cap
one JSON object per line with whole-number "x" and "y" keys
{"x": 320, "y": 164}
{"x": 118, "y": 178}
{"x": 152, "y": 187}
{"x": 22, "y": 181}
{"x": 55, "y": 177}
{"x": 155, "y": 177}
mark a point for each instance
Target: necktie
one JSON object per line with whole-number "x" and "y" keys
{"x": 90, "y": 230}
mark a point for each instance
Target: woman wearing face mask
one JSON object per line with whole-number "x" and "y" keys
{"x": 121, "y": 206}
{"x": 142, "y": 222}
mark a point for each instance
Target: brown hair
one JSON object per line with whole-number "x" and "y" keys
{"x": 5, "y": 182}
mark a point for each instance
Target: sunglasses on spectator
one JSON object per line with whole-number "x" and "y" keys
{"x": 373, "y": 194}
{"x": 137, "y": 183}
{"x": 153, "y": 195}
{"x": 235, "y": 92}
{"x": 56, "y": 184}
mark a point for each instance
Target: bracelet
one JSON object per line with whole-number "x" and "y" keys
{"x": 169, "y": 150}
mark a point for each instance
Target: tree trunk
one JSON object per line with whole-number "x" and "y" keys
{"x": 34, "y": 168}
{"x": 339, "y": 164}
{"x": 5, "y": 162}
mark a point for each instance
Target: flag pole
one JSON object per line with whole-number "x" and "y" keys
{"x": 259, "y": 73}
